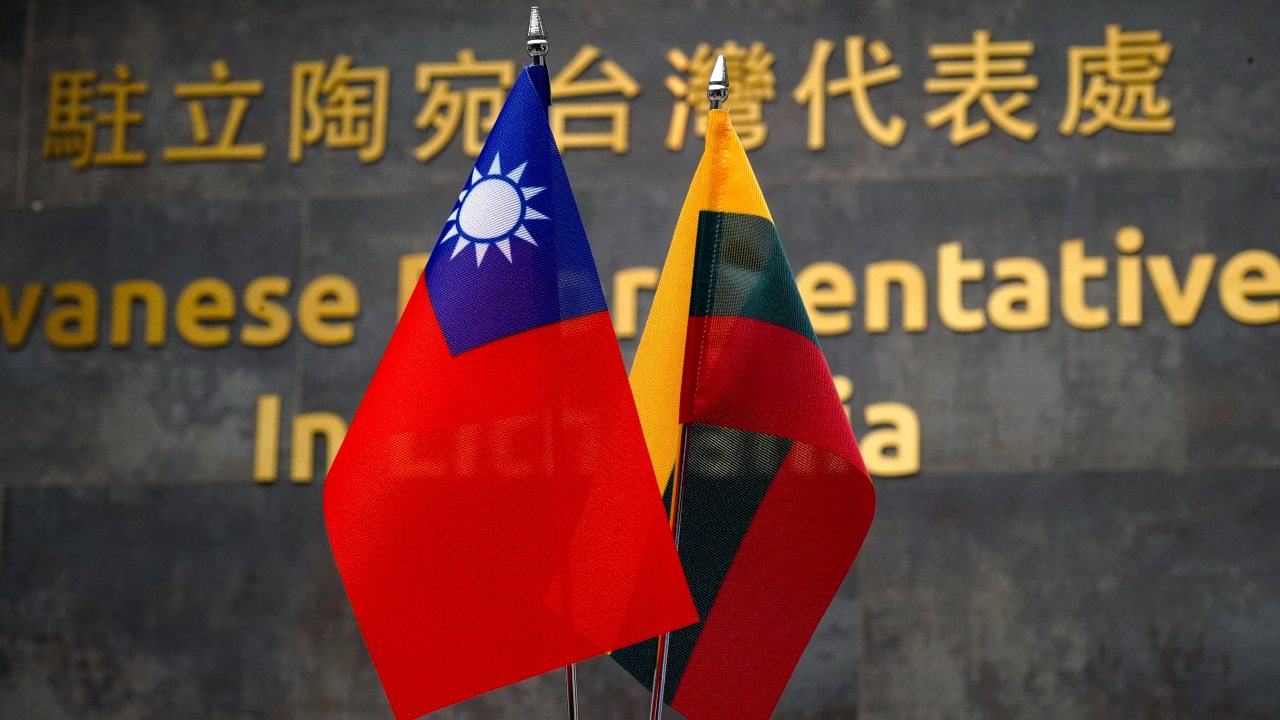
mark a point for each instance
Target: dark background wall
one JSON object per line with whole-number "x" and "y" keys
{"x": 1092, "y": 531}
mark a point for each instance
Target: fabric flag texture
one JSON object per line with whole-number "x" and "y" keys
{"x": 491, "y": 510}
{"x": 776, "y": 498}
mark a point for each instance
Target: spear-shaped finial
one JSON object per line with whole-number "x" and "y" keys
{"x": 718, "y": 85}
{"x": 536, "y": 39}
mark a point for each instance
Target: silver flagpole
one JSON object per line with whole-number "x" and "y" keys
{"x": 536, "y": 45}
{"x": 571, "y": 692}
{"x": 657, "y": 702}
{"x": 717, "y": 92}
{"x": 536, "y": 38}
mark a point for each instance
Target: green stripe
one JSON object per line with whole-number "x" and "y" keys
{"x": 740, "y": 270}
{"x": 726, "y": 475}
{"x": 666, "y": 494}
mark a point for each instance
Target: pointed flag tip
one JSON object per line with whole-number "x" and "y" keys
{"x": 536, "y": 38}
{"x": 536, "y": 31}
{"x": 718, "y": 84}
{"x": 720, "y": 73}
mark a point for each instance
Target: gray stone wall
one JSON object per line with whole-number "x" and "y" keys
{"x": 1092, "y": 532}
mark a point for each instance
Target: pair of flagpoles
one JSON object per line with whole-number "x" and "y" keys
{"x": 717, "y": 92}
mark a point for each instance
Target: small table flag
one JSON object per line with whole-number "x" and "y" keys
{"x": 776, "y": 498}
{"x": 492, "y": 509}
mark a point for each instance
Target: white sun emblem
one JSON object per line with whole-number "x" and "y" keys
{"x": 492, "y": 210}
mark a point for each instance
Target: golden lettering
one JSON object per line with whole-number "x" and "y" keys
{"x": 1129, "y": 277}
{"x": 226, "y": 147}
{"x": 879, "y": 277}
{"x": 891, "y": 447}
{"x": 120, "y": 118}
{"x": 1021, "y": 302}
{"x": 266, "y": 439}
{"x": 411, "y": 267}
{"x": 17, "y": 325}
{"x": 72, "y": 127}
{"x": 1181, "y": 304}
{"x": 72, "y": 130}
{"x": 123, "y": 297}
{"x": 974, "y": 73}
{"x": 474, "y": 109}
{"x": 1076, "y": 270}
{"x": 627, "y": 285}
{"x": 953, "y": 272}
{"x": 1248, "y": 275}
{"x": 73, "y": 322}
{"x": 276, "y": 321}
{"x": 828, "y": 292}
{"x": 326, "y": 308}
{"x": 204, "y": 312}
{"x": 344, "y": 106}
{"x": 814, "y": 88}
{"x": 568, "y": 83}
{"x": 1121, "y": 93}
{"x": 306, "y": 428}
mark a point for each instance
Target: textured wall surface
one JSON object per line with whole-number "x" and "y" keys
{"x": 1093, "y": 529}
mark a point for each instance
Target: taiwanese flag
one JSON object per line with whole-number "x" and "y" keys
{"x": 776, "y": 498}
{"x": 491, "y": 510}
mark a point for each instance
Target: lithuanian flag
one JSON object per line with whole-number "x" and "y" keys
{"x": 737, "y": 402}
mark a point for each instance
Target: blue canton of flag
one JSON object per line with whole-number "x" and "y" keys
{"x": 513, "y": 255}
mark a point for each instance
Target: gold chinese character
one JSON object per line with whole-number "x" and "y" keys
{"x": 195, "y": 94}
{"x": 353, "y": 113}
{"x": 975, "y": 73}
{"x": 1122, "y": 84}
{"x": 119, "y": 118}
{"x": 445, "y": 108}
{"x": 568, "y": 83}
{"x": 71, "y": 131}
{"x": 73, "y": 125}
{"x": 814, "y": 89}
{"x": 751, "y": 77}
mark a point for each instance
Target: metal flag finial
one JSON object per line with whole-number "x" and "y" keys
{"x": 718, "y": 85}
{"x": 536, "y": 39}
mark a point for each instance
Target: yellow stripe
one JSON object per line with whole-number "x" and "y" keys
{"x": 733, "y": 187}
{"x": 655, "y": 374}
{"x": 724, "y": 182}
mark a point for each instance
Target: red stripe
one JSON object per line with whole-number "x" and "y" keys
{"x": 753, "y": 375}
{"x": 493, "y": 515}
{"x": 790, "y": 565}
